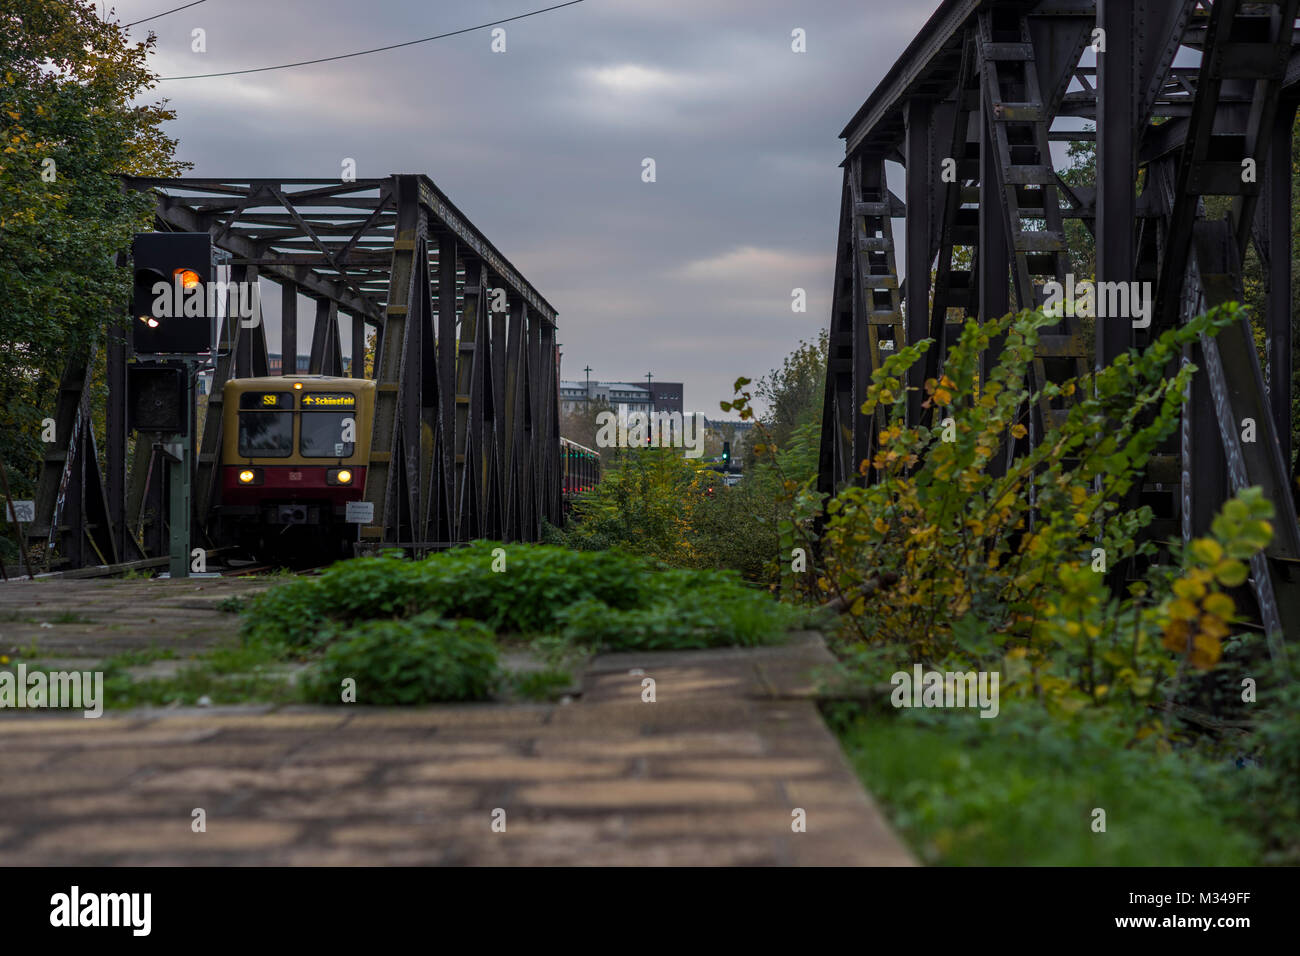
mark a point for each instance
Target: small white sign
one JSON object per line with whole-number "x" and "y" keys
{"x": 360, "y": 512}
{"x": 25, "y": 511}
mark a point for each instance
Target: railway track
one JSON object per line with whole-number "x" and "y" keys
{"x": 226, "y": 566}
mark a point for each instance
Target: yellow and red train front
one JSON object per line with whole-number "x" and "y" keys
{"x": 295, "y": 447}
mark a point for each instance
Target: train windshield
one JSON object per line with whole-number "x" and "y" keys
{"x": 327, "y": 434}
{"x": 265, "y": 434}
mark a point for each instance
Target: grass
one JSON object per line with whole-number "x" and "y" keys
{"x": 70, "y": 617}
{"x": 191, "y": 684}
{"x": 409, "y": 632}
{"x": 540, "y": 685}
{"x": 231, "y": 673}
{"x": 1021, "y": 790}
{"x": 63, "y": 617}
{"x": 139, "y": 657}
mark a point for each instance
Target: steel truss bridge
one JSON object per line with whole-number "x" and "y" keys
{"x": 466, "y": 428}
{"x": 983, "y": 86}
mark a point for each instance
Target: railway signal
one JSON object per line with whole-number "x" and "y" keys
{"x": 156, "y": 399}
{"x": 171, "y": 317}
{"x": 169, "y": 298}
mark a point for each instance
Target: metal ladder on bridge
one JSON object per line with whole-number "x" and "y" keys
{"x": 956, "y": 288}
{"x": 1029, "y": 193}
{"x": 875, "y": 272}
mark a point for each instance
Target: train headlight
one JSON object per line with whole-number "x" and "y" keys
{"x": 338, "y": 476}
{"x": 345, "y": 477}
{"x": 246, "y": 476}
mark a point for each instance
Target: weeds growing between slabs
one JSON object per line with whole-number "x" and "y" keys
{"x": 409, "y": 632}
{"x": 945, "y": 560}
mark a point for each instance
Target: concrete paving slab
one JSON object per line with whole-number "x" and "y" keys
{"x": 730, "y": 764}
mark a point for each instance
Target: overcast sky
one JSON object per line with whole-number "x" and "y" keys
{"x": 689, "y": 277}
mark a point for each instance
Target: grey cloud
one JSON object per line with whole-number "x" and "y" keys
{"x": 542, "y": 147}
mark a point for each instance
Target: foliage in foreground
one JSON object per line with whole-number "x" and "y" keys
{"x": 1021, "y": 790}
{"x": 1266, "y": 798}
{"x": 538, "y": 589}
{"x": 952, "y": 555}
{"x": 1011, "y": 568}
{"x": 410, "y": 631}
{"x": 421, "y": 659}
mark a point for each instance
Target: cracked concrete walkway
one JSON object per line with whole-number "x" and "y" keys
{"x": 715, "y": 771}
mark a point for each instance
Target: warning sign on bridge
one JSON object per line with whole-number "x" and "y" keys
{"x": 359, "y": 512}
{"x": 22, "y": 511}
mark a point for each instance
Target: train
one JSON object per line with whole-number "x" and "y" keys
{"x": 294, "y": 453}
{"x": 580, "y": 468}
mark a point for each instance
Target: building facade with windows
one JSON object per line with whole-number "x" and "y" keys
{"x": 657, "y": 397}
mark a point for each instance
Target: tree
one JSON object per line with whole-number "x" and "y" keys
{"x": 581, "y": 424}
{"x": 68, "y": 89}
{"x": 794, "y": 392}
{"x": 1082, "y": 171}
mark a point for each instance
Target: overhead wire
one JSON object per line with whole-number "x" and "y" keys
{"x": 378, "y": 49}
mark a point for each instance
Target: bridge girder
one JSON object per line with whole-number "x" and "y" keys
{"x": 981, "y": 89}
{"x": 453, "y": 458}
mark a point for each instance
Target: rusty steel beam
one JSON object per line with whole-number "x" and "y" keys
{"x": 1183, "y": 133}
{"x": 467, "y": 401}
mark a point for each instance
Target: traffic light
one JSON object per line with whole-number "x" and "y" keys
{"x": 726, "y": 451}
{"x": 169, "y": 300}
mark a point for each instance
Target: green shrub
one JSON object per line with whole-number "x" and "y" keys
{"x": 710, "y": 617}
{"x": 736, "y": 527}
{"x": 646, "y": 502}
{"x": 1265, "y": 791}
{"x": 955, "y": 553}
{"x": 536, "y": 591}
{"x": 659, "y": 503}
{"x": 1021, "y": 790}
{"x": 418, "y": 661}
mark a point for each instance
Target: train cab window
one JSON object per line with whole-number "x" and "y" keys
{"x": 328, "y": 428}
{"x": 266, "y": 424}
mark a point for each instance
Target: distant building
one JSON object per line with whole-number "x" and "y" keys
{"x": 275, "y": 362}
{"x": 657, "y": 397}
{"x": 666, "y": 396}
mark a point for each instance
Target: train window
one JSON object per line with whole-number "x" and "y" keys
{"x": 323, "y": 434}
{"x": 265, "y": 434}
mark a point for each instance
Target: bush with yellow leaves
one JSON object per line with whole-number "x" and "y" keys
{"x": 962, "y": 551}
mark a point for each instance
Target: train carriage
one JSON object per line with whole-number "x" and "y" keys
{"x": 581, "y": 467}
{"x": 294, "y": 452}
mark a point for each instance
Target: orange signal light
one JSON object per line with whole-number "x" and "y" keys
{"x": 189, "y": 278}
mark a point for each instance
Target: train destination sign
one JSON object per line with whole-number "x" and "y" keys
{"x": 329, "y": 400}
{"x": 266, "y": 400}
